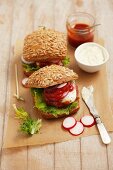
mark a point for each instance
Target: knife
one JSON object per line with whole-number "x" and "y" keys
{"x": 87, "y": 95}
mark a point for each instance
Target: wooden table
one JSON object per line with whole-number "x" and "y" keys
{"x": 20, "y": 17}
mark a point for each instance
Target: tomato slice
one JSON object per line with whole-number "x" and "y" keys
{"x": 55, "y": 94}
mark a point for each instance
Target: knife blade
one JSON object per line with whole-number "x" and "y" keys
{"x": 87, "y": 96}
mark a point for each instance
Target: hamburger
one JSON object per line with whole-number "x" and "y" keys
{"x": 54, "y": 91}
{"x": 44, "y": 47}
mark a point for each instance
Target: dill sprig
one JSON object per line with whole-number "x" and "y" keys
{"x": 28, "y": 125}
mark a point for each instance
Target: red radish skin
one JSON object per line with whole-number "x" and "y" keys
{"x": 69, "y": 123}
{"x": 87, "y": 121}
{"x": 77, "y": 129}
{"x": 24, "y": 82}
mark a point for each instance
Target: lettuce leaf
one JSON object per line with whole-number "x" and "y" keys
{"x": 31, "y": 126}
{"x": 28, "y": 125}
{"x": 66, "y": 61}
{"x": 20, "y": 113}
{"x": 41, "y": 105}
{"x": 30, "y": 67}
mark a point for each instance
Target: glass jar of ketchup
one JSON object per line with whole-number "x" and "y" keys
{"x": 80, "y": 28}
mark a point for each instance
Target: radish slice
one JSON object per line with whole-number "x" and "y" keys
{"x": 69, "y": 122}
{"x": 61, "y": 85}
{"x": 24, "y": 81}
{"x": 26, "y": 62}
{"x": 87, "y": 120}
{"x": 77, "y": 129}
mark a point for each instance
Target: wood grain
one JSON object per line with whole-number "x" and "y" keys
{"x": 86, "y": 160}
{"x": 89, "y": 153}
{"x": 95, "y": 160}
{"x": 107, "y": 33}
{"x": 68, "y": 152}
{"x": 5, "y": 35}
{"x": 43, "y": 156}
{"x": 44, "y": 13}
{"x": 93, "y": 154}
{"x": 14, "y": 159}
{"x": 67, "y": 155}
{"x": 110, "y": 154}
{"x": 17, "y": 158}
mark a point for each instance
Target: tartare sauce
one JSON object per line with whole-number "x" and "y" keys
{"x": 91, "y": 55}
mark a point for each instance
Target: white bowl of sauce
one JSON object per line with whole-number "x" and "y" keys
{"x": 90, "y": 57}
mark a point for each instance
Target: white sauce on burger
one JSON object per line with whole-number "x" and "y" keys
{"x": 71, "y": 97}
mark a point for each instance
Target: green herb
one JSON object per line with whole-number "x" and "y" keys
{"x": 66, "y": 61}
{"x": 28, "y": 125}
{"x": 20, "y": 113}
{"x": 31, "y": 126}
{"x": 30, "y": 67}
{"x": 41, "y": 105}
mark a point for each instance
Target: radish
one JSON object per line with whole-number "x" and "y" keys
{"x": 77, "y": 129}
{"x": 87, "y": 120}
{"x": 61, "y": 85}
{"x": 24, "y": 81}
{"x": 26, "y": 62}
{"x": 69, "y": 122}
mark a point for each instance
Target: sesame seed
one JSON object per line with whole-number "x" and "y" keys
{"x": 50, "y": 76}
{"x": 45, "y": 42}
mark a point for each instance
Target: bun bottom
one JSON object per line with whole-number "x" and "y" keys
{"x": 46, "y": 115}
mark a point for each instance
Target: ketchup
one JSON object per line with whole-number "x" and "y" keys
{"x": 79, "y": 34}
{"x": 54, "y": 95}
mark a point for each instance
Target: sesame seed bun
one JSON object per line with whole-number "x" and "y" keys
{"x": 50, "y": 76}
{"x": 45, "y": 44}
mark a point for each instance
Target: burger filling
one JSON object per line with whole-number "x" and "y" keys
{"x": 63, "y": 62}
{"x": 57, "y": 100}
{"x": 33, "y": 66}
{"x": 60, "y": 95}
{"x": 48, "y": 63}
{"x": 30, "y": 67}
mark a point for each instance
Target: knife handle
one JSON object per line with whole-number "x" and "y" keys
{"x": 103, "y": 132}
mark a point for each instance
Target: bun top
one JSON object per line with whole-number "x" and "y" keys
{"x": 50, "y": 76}
{"x": 45, "y": 44}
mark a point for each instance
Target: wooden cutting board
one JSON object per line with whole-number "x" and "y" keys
{"x": 51, "y": 131}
